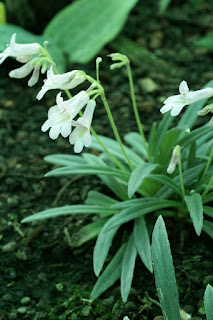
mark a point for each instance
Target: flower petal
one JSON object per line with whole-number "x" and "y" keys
{"x": 78, "y": 146}
{"x": 46, "y": 125}
{"x": 183, "y": 88}
{"x": 23, "y": 71}
{"x": 66, "y": 129}
{"x": 35, "y": 76}
{"x": 54, "y": 132}
{"x": 177, "y": 109}
{"x": 166, "y": 107}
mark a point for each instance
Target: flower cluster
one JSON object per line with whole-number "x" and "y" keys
{"x": 32, "y": 55}
{"x": 60, "y": 116}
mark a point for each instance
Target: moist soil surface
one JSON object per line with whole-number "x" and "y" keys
{"x": 42, "y": 276}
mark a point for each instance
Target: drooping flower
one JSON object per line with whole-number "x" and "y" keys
{"x": 22, "y": 72}
{"x": 63, "y": 81}
{"x": 81, "y": 136}
{"x": 177, "y": 102}
{"x": 174, "y": 160}
{"x": 22, "y": 52}
{"x": 60, "y": 116}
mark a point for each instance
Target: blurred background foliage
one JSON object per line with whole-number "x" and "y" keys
{"x": 26, "y": 13}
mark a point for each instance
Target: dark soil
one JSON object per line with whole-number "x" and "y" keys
{"x": 42, "y": 277}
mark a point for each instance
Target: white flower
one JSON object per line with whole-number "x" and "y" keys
{"x": 26, "y": 69}
{"x": 60, "y": 116}
{"x": 177, "y": 102}
{"x": 22, "y": 52}
{"x": 81, "y": 136}
{"x": 63, "y": 81}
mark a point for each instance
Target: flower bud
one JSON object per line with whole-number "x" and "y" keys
{"x": 174, "y": 160}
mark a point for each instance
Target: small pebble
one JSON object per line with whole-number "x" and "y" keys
{"x": 22, "y": 310}
{"x": 25, "y": 300}
{"x": 9, "y": 247}
{"x": 12, "y": 316}
{"x": 7, "y": 297}
{"x": 158, "y": 318}
{"x": 86, "y": 311}
{"x": 148, "y": 85}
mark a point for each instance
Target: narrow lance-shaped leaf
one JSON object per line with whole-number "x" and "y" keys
{"x": 142, "y": 242}
{"x": 128, "y": 266}
{"x": 208, "y": 228}
{"x": 68, "y": 210}
{"x": 208, "y": 302}
{"x": 101, "y": 249}
{"x": 88, "y": 232}
{"x": 195, "y": 207}
{"x": 164, "y": 272}
{"x": 138, "y": 175}
{"x": 143, "y": 207}
{"x": 110, "y": 274}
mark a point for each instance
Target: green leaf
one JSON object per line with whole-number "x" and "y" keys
{"x": 2, "y": 13}
{"x": 128, "y": 266}
{"x": 87, "y": 170}
{"x": 188, "y": 176}
{"x": 68, "y": 210}
{"x": 195, "y": 207}
{"x": 152, "y": 137}
{"x": 161, "y": 131}
{"x": 118, "y": 187}
{"x": 102, "y": 246}
{"x": 64, "y": 159}
{"x": 208, "y": 211}
{"x": 166, "y": 181}
{"x": 208, "y": 228}
{"x": 167, "y": 145}
{"x": 100, "y": 199}
{"x": 75, "y": 27}
{"x": 208, "y": 197}
{"x": 164, "y": 272}
{"x": 206, "y": 42}
{"x": 144, "y": 206}
{"x": 110, "y": 274}
{"x": 113, "y": 146}
{"x": 163, "y": 4}
{"x": 194, "y": 135}
{"x": 135, "y": 141}
{"x": 138, "y": 175}
{"x": 190, "y": 114}
{"x": 208, "y": 302}
{"x": 191, "y": 155}
{"x": 88, "y": 232}
{"x": 142, "y": 242}
{"x": 23, "y": 36}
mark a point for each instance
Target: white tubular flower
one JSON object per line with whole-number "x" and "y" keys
{"x": 81, "y": 136}
{"x": 174, "y": 160}
{"x": 177, "y": 102}
{"x": 63, "y": 81}
{"x": 22, "y": 52}
{"x": 60, "y": 119}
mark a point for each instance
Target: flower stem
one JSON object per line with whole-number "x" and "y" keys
{"x": 114, "y": 128}
{"x": 135, "y": 108}
{"x": 181, "y": 175}
{"x": 208, "y": 163}
{"x": 208, "y": 186}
